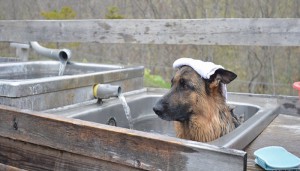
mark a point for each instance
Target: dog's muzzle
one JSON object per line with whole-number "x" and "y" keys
{"x": 160, "y": 109}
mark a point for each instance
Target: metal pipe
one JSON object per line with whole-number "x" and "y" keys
{"x": 105, "y": 91}
{"x": 61, "y": 54}
{"x": 21, "y": 50}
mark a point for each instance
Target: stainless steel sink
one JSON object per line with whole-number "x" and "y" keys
{"x": 258, "y": 113}
{"x": 37, "y": 86}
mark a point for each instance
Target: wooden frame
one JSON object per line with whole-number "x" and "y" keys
{"x": 45, "y": 136}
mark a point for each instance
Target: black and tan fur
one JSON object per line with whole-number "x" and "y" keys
{"x": 197, "y": 105}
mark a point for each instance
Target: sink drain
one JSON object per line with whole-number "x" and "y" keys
{"x": 112, "y": 121}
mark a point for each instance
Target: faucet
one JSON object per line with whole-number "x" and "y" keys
{"x": 61, "y": 54}
{"x": 105, "y": 91}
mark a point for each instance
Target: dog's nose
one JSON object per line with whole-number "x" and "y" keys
{"x": 158, "y": 109}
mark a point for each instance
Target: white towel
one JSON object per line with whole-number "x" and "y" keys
{"x": 204, "y": 69}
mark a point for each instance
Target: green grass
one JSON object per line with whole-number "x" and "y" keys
{"x": 155, "y": 80}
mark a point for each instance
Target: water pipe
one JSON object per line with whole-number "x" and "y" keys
{"x": 21, "y": 50}
{"x": 105, "y": 91}
{"x": 61, "y": 54}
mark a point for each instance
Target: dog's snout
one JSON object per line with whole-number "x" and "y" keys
{"x": 158, "y": 109}
{"x": 161, "y": 108}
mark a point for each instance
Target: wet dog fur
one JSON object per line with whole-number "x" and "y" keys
{"x": 197, "y": 106}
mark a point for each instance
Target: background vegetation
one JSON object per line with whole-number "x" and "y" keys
{"x": 268, "y": 70}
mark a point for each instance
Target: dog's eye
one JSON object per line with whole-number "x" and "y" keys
{"x": 183, "y": 84}
{"x": 186, "y": 84}
{"x": 172, "y": 80}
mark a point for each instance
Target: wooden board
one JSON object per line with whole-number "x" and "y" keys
{"x": 35, "y": 157}
{"x": 125, "y": 147}
{"x": 4, "y": 167}
{"x": 231, "y": 31}
{"x": 283, "y": 131}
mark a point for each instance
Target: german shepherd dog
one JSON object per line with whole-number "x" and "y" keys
{"x": 197, "y": 105}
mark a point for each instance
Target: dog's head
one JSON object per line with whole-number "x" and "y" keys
{"x": 189, "y": 92}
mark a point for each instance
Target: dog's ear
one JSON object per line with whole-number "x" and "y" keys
{"x": 224, "y": 76}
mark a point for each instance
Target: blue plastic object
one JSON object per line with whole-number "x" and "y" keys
{"x": 276, "y": 158}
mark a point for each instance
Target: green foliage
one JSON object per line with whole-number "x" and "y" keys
{"x": 154, "y": 80}
{"x": 113, "y": 13}
{"x": 71, "y": 45}
{"x": 64, "y": 13}
{"x": 84, "y": 60}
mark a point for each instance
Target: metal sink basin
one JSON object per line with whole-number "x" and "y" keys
{"x": 257, "y": 115}
{"x": 37, "y": 86}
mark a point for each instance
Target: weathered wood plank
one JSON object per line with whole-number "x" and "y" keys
{"x": 235, "y": 31}
{"x": 283, "y": 131}
{"x": 34, "y": 157}
{"x": 4, "y": 167}
{"x": 128, "y": 147}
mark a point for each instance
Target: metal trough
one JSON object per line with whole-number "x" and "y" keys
{"x": 37, "y": 86}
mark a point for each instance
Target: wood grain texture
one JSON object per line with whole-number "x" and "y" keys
{"x": 126, "y": 147}
{"x": 233, "y": 31}
{"x": 4, "y": 167}
{"x": 283, "y": 131}
{"x": 31, "y": 157}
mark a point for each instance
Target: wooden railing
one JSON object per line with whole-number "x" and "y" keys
{"x": 255, "y": 32}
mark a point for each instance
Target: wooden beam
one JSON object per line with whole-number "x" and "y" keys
{"x": 9, "y": 168}
{"x": 28, "y": 156}
{"x": 119, "y": 145}
{"x": 235, "y": 31}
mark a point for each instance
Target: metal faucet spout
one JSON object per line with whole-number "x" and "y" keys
{"x": 105, "y": 91}
{"x": 61, "y": 54}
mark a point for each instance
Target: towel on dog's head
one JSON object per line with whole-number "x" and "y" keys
{"x": 204, "y": 69}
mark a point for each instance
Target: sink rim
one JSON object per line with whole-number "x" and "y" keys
{"x": 21, "y": 88}
{"x": 32, "y": 65}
